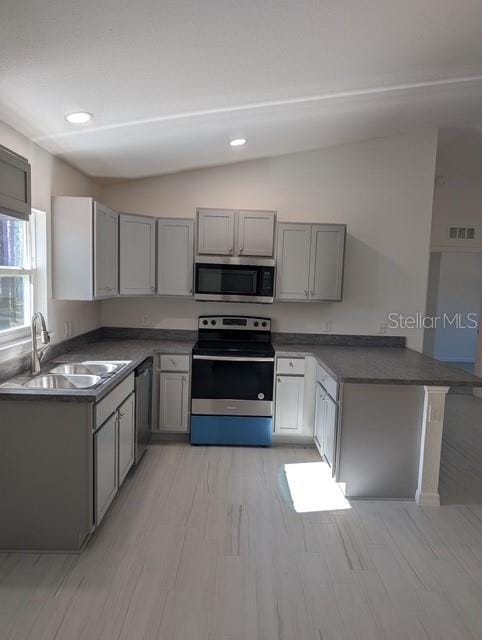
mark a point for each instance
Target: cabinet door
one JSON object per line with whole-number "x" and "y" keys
{"x": 137, "y": 254}
{"x": 175, "y": 254}
{"x": 100, "y": 284}
{"x": 215, "y": 234}
{"x": 329, "y": 431}
{"x": 174, "y": 402}
{"x": 112, "y": 253}
{"x": 327, "y": 259}
{"x": 320, "y": 414}
{"x": 14, "y": 185}
{"x": 289, "y": 404}
{"x": 293, "y": 261}
{"x": 105, "y": 451}
{"x": 255, "y": 233}
{"x": 126, "y": 436}
{"x": 106, "y": 268}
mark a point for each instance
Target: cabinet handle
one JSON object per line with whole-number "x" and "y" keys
{"x": 306, "y": 293}
{"x": 121, "y": 415}
{"x": 291, "y": 364}
{"x": 231, "y": 250}
{"x": 279, "y": 379}
{"x": 240, "y": 249}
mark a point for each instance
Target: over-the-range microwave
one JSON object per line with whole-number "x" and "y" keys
{"x": 234, "y": 279}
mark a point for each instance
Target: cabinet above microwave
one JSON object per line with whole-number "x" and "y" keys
{"x": 229, "y": 232}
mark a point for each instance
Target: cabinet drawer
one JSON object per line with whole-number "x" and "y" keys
{"x": 109, "y": 404}
{"x": 175, "y": 363}
{"x": 327, "y": 381}
{"x": 291, "y": 366}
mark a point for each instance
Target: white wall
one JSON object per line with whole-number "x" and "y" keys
{"x": 458, "y": 189}
{"x": 459, "y": 291}
{"x": 51, "y": 176}
{"x": 382, "y": 189}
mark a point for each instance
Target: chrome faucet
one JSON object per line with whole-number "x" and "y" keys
{"x": 45, "y": 338}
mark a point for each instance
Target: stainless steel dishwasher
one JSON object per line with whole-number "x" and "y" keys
{"x": 143, "y": 386}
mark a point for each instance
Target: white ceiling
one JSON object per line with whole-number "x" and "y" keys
{"x": 171, "y": 81}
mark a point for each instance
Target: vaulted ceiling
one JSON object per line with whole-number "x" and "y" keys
{"x": 169, "y": 82}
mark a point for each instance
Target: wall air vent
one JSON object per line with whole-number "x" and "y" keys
{"x": 461, "y": 233}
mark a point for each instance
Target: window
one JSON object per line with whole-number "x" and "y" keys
{"x": 15, "y": 278}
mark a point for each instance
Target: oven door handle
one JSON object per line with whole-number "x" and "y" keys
{"x": 233, "y": 358}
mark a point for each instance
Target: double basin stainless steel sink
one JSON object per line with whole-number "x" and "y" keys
{"x": 75, "y": 375}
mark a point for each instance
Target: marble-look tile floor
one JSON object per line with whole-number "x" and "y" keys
{"x": 204, "y": 544}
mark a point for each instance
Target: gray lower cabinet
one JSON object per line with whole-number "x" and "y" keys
{"x": 310, "y": 261}
{"x": 174, "y": 383}
{"x": 329, "y": 432}
{"x": 175, "y": 255}
{"x": 126, "y": 426}
{"x": 106, "y": 476}
{"x": 289, "y": 404}
{"x": 113, "y": 444}
{"x": 326, "y": 415}
{"x": 14, "y": 184}
{"x": 174, "y": 402}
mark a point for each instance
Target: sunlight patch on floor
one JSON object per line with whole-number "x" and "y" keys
{"x": 313, "y": 489}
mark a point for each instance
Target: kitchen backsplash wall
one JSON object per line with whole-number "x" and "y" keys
{"x": 382, "y": 189}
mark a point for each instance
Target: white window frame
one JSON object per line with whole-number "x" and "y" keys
{"x": 11, "y": 337}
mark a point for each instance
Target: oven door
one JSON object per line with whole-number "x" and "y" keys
{"x": 230, "y": 385}
{"x": 234, "y": 282}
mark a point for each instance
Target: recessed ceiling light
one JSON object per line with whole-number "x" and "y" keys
{"x": 237, "y": 142}
{"x": 78, "y": 117}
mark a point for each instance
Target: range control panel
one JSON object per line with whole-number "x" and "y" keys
{"x": 235, "y": 323}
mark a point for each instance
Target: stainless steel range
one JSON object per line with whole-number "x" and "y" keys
{"x": 232, "y": 381}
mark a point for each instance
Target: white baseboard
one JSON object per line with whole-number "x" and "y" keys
{"x": 427, "y": 499}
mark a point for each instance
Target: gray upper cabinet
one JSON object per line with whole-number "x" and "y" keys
{"x": 14, "y": 184}
{"x": 227, "y": 232}
{"x": 84, "y": 249}
{"x": 137, "y": 254}
{"x": 310, "y": 261}
{"x": 255, "y": 233}
{"x": 106, "y": 241}
{"x": 175, "y": 254}
{"x": 293, "y": 261}
{"x": 215, "y": 232}
{"x": 326, "y": 261}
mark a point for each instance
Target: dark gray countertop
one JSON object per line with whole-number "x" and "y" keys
{"x": 349, "y": 364}
{"x": 135, "y": 351}
{"x": 380, "y": 365}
